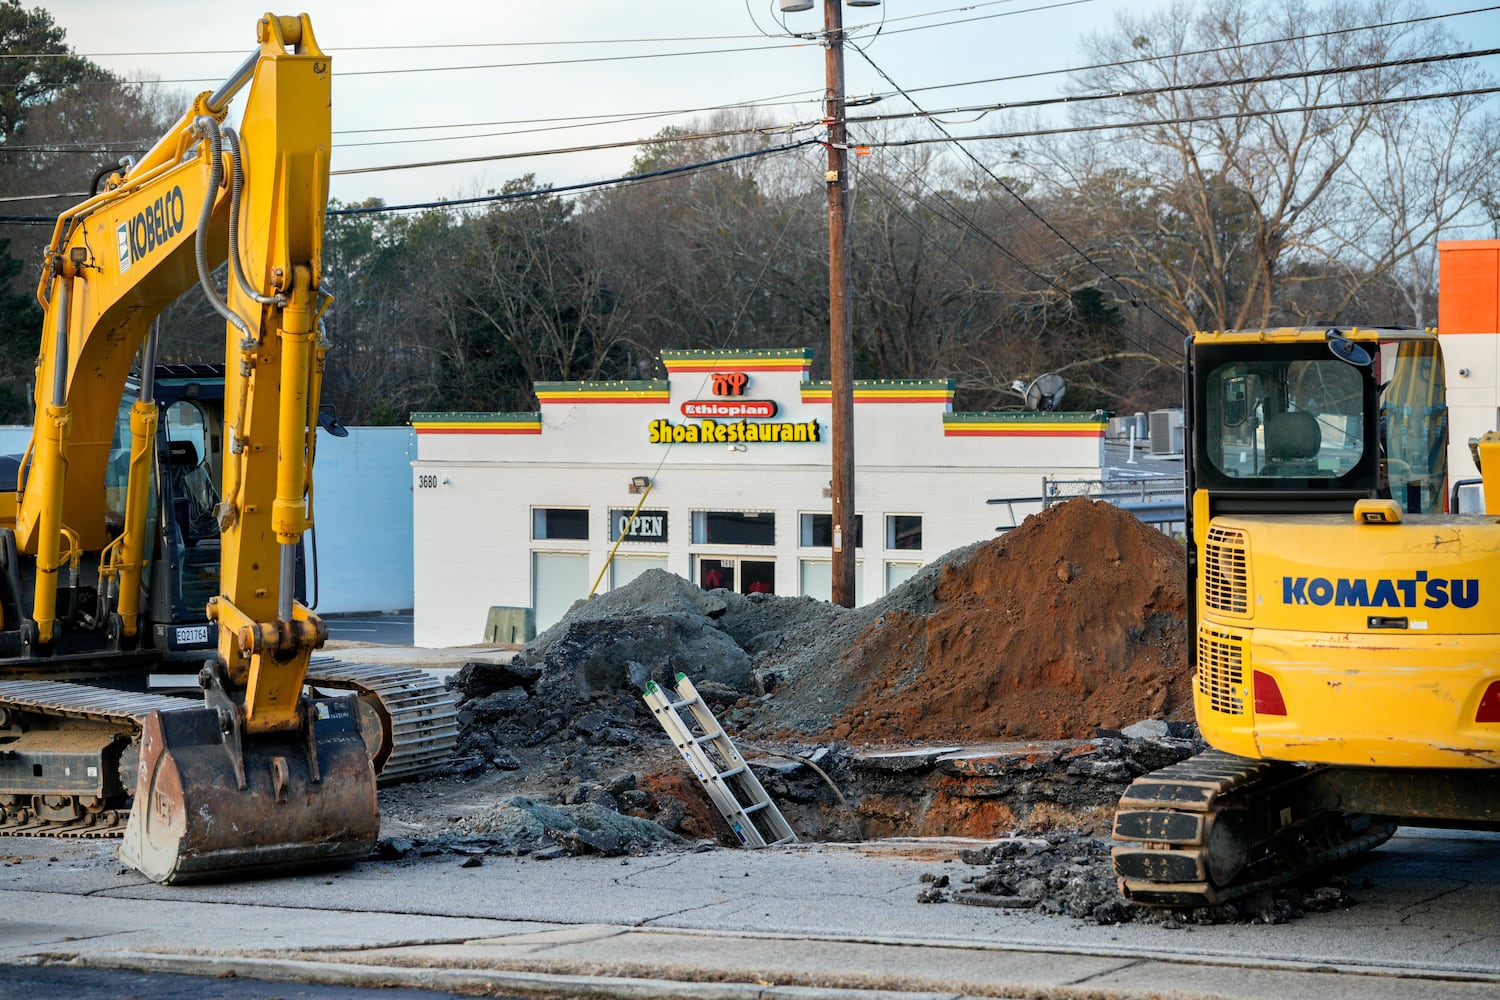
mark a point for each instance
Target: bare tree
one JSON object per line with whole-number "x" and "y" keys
{"x": 1235, "y": 144}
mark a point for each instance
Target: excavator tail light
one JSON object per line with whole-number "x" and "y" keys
{"x": 1489, "y": 705}
{"x": 1268, "y": 700}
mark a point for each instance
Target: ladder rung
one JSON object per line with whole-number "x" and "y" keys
{"x": 725, "y": 796}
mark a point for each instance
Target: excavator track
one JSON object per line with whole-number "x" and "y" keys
{"x": 107, "y": 712}
{"x": 1216, "y": 828}
{"x": 406, "y": 714}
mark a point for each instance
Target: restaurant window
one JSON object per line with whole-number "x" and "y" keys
{"x": 732, "y": 527}
{"x": 747, "y": 576}
{"x": 903, "y": 531}
{"x": 559, "y": 522}
{"x": 817, "y": 531}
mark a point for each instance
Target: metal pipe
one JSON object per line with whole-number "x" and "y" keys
{"x": 219, "y": 99}
{"x": 60, "y": 353}
{"x": 288, "y": 582}
{"x": 144, "y": 419}
{"x": 148, "y": 363}
{"x": 51, "y": 463}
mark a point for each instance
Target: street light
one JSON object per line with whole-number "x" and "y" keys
{"x": 840, "y": 308}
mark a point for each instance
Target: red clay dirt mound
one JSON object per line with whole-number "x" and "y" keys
{"x": 1072, "y": 621}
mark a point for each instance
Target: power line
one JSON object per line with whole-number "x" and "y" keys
{"x": 578, "y": 124}
{"x": 554, "y": 43}
{"x": 1130, "y": 296}
{"x": 345, "y": 74}
{"x": 610, "y": 117}
{"x": 1192, "y": 119}
{"x": 1183, "y": 87}
{"x": 585, "y": 121}
{"x": 650, "y": 175}
{"x": 573, "y": 149}
{"x": 1187, "y": 54}
{"x": 1001, "y": 79}
{"x": 449, "y": 45}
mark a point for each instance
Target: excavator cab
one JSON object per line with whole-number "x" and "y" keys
{"x": 1301, "y": 424}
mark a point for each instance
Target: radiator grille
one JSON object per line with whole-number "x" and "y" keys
{"x": 1221, "y": 670}
{"x": 1226, "y": 575}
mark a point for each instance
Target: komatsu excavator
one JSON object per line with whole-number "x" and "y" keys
{"x": 1344, "y": 626}
{"x": 160, "y": 535}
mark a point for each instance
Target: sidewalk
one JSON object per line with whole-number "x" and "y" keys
{"x": 815, "y": 921}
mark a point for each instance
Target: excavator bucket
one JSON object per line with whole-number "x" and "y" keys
{"x": 212, "y": 805}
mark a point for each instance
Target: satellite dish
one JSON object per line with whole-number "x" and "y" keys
{"x": 1347, "y": 350}
{"x": 1045, "y": 392}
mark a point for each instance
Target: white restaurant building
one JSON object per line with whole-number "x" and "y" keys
{"x": 731, "y": 454}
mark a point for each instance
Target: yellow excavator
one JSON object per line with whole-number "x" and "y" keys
{"x": 160, "y": 536}
{"x": 1343, "y": 624}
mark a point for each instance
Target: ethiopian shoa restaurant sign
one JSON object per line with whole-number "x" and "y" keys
{"x": 731, "y": 419}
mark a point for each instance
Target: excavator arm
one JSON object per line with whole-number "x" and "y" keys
{"x": 262, "y": 776}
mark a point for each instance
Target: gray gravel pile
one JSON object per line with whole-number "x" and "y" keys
{"x": 597, "y": 659}
{"x": 521, "y": 826}
{"x": 1068, "y": 873}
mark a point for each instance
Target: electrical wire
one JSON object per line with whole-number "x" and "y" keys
{"x": 625, "y": 143}
{"x": 948, "y": 137}
{"x": 1193, "y": 119}
{"x": 800, "y": 39}
{"x": 581, "y": 186}
{"x": 448, "y": 203}
{"x": 1182, "y": 87}
{"x": 980, "y": 110}
{"x": 1187, "y": 54}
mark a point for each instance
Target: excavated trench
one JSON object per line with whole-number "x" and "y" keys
{"x": 1005, "y": 695}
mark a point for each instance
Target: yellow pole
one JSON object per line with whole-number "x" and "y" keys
{"x": 616, "y": 547}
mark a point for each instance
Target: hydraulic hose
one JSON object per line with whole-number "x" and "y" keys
{"x": 209, "y": 128}
{"x": 236, "y": 184}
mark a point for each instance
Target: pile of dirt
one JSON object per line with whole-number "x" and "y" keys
{"x": 1073, "y": 621}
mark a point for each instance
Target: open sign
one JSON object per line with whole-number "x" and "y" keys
{"x": 648, "y": 526}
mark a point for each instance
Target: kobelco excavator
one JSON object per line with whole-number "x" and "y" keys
{"x": 161, "y": 534}
{"x": 1343, "y": 624}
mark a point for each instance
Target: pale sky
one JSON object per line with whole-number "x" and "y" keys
{"x": 458, "y": 85}
{"x": 201, "y": 43}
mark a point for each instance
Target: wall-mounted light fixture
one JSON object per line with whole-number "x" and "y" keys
{"x": 639, "y": 484}
{"x": 828, "y": 490}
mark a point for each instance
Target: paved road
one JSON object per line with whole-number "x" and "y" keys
{"x": 386, "y": 630}
{"x": 79, "y": 983}
{"x": 816, "y": 921}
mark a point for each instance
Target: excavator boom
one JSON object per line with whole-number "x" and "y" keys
{"x": 261, "y": 775}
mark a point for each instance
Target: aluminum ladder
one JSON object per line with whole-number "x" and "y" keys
{"x": 734, "y": 788}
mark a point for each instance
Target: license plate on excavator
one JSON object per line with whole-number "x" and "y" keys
{"x": 192, "y": 635}
{"x": 299, "y": 800}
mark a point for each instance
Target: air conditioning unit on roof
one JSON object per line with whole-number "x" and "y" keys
{"x": 1166, "y": 432}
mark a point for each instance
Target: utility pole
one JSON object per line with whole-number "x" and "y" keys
{"x": 840, "y": 311}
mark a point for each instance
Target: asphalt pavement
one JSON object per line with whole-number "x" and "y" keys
{"x": 379, "y": 629}
{"x": 826, "y": 921}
